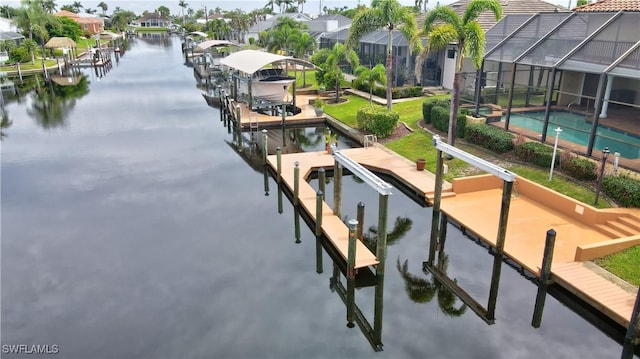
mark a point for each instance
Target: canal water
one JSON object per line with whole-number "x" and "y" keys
{"x": 131, "y": 228}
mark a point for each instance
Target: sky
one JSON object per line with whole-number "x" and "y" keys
{"x": 311, "y": 6}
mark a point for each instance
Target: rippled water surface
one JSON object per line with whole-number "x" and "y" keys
{"x": 131, "y": 228}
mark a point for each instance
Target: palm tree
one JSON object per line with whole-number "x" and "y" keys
{"x": 443, "y": 27}
{"x": 183, "y": 4}
{"x": 77, "y": 6}
{"x": 421, "y": 5}
{"x": 49, "y": 6}
{"x": 388, "y": 14}
{"x": 104, "y": 7}
{"x": 369, "y": 77}
{"x": 340, "y": 53}
{"x": 303, "y": 44}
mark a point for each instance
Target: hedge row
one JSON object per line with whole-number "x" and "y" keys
{"x": 381, "y": 91}
{"x": 579, "y": 168}
{"x": 440, "y": 120}
{"x": 377, "y": 120}
{"x": 489, "y": 137}
{"x": 535, "y": 152}
{"x": 624, "y": 190}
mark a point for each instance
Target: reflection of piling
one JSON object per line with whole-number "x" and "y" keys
{"x": 544, "y": 280}
{"x": 381, "y": 254}
{"x": 632, "y": 338}
{"x": 499, "y": 254}
{"x": 435, "y": 216}
{"x": 266, "y": 180}
{"x": 351, "y": 275}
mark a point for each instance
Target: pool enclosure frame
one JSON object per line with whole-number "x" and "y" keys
{"x": 588, "y": 60}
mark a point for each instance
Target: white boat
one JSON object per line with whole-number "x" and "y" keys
{"x": 268, "y": 84}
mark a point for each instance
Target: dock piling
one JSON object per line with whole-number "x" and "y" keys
{"x": 337, "y": 188}
{"x": 322, "y": 178}
{"x": 279, "y": 164}
{"x": 239, "y": 126}
{"x": 319, "y": 201}
{"x": 435, "y": 216}
{"x": 265, "y": 143}
{"x": 360, "y": 218}
{"x": 351, "y": 275}
{"x": 631, "y": 338}
{"x": 543, "y": 281}
{"x": 296, "y": 183}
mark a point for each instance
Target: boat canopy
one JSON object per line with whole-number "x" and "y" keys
{"x": 250, "y": 61}
{"x": 205, "y": 45}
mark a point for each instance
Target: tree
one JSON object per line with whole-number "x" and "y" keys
{"x": 444, "y": 27}
{"x": 49, "y": 6}
{"x": 183, "y": 4}
{"x": 421, "y": 5}
{"x": 68, "y": 7}
{"x": 77, "y": 6}
{"x": 31, "y": 47}
{"x": 388, "y": 14}
{"x": 369, "y": 77}
{"x": 303, "y": 44}
{"x": 164, "y": 11}
{"x": 104, "y": 7}
{"x": 121, "y": 18}
{"x": 90, "y": 11}
{"x": 339, "y": 54}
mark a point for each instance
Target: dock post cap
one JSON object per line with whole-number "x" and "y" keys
{"x": 353, "y": 223}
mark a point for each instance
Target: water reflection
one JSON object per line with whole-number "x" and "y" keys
{"x": 420, "y": 290}
{"x": 53, "y": 101}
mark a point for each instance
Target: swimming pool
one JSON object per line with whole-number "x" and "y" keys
{"x": 576, "y": 129}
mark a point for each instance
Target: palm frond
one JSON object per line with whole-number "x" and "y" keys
{"x": 443, "y": 14}
{"x": 476, "y": 7}
{"x": 474, "y": 42}
{"x": 363, "y": 23}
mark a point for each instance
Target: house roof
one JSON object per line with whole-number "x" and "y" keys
{"x": 151, "y": 16}
{"x": 57, "y": 42}
{"x": 270, "y": 22}
{"x": 610, "y": 5}
{"x": 66, "y": 13}
{"x": 509, "y": 7}
{"x": 10, "y": 35}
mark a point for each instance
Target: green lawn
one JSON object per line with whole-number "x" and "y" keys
{"x": 625, "y": 264}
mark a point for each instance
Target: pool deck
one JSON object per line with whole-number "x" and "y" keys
{"x": 583, "y": 232}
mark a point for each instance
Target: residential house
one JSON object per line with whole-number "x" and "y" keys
{"x": 269, "y": 22}
{"x": 9, "y": 31}
{"x": 152, "y": 19}
{"x": 88, "y": 22}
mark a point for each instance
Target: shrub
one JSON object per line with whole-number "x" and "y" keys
{"x": 440, "y": 120}
{"x": 578, "y": 168}
{"x": 489, "y": 137}
{"x": 427, "y": 105}
{"x": 535, "y": 152}
{"x": 624, "y": 190}
{"x": 377, "y": 120}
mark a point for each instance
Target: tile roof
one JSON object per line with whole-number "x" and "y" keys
{"x": 610, "y": 5}
{"x": 486, "y": 19}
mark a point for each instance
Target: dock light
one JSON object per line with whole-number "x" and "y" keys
{"x": 555, "y": 148}
{"x": 605, "y": 155}
{"x": 616, "y": 161}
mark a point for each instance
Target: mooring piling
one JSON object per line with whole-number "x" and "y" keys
{"x": 631, "y": 339}
{"x": 322, "y": 177}
{"x": 544, "y": 279}
{"x": 351, "y": 273}
{"x": 360, "y": 218}
{"x": 279, "y": 164}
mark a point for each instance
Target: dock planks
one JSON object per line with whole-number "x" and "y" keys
{"x": 478, "y": 212}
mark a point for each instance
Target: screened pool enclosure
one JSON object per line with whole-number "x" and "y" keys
{"x": 584, "y": 63}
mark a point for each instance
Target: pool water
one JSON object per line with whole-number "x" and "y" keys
{"x": 576, "y": 128}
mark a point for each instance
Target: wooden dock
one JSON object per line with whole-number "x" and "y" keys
{"x": 529, "y": 218}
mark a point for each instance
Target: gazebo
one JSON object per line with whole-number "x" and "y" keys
{"x": 66, "y": 44}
